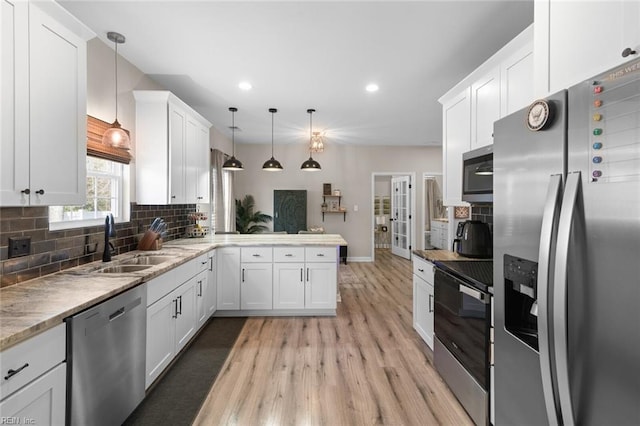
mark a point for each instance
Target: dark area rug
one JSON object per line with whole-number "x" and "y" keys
{"x": 177, "y": 397}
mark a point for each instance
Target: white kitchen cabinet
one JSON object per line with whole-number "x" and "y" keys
{"x": 211, "y": 295}
{"x": 228, "y": 278}
{"x": 575, "y": 40}
{"x": 42, "y": 402}
{"x": 440, "y": 234}
{"x": 310, "y": 283}
{"x": 256, "y": 290}
{"x": 501, "y": 84}
{"x": 288, "y": 285}
{"x": 423, "y": 272}
{"x": 34, "y": 379}
{"x": 485, "y": 108}
{"x": 321, "y": 285}
{"x": 175, "y": 140}
{"x": 173, "y": 313}
{"x": 456, "y": 140}
{"x": 43, "y": 87}
{"x": 516, "y": 80}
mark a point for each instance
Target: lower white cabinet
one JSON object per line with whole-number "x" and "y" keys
{"x": 41, "y": 402}
{"x": 175, "y": 312}
{"x": 211, "y": 295}
{"x": 33, "y": 386}
{"x": 320, "y": 288}
{"x": 228, "y": 278}
{"x": 274, "y": 280}
{"x": 288, "y": 285}
{"x": 423, "y": 272}
{"x": 256, "y": 290}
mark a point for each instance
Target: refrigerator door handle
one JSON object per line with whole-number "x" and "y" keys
{"x": 548, "y": 232}
{"x": 561, "y": 345}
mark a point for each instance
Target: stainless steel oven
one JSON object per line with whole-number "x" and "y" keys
{"x": 462, "y": 322}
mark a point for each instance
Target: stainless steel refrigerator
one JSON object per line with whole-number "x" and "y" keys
{"x": 567, "y": 256}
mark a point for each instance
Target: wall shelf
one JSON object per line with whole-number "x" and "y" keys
{"x": 334, "y": 206}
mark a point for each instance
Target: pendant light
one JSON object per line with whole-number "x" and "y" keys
{"x": 310, "y": 165}
{"x": 115, "y": 136}
{"x": 272, "y": 165}
{"x": 233, "y": 164}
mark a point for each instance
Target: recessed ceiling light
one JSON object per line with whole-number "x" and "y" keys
{"x": 245, "y": 85}
{"x": 372, "y": 87}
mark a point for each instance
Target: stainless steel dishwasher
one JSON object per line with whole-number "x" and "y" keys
{"x": 106, "y": 359}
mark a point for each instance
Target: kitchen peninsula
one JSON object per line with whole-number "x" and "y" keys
{"x": 28, "y": 308}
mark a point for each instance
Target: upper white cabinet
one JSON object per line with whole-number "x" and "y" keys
{"x": 43, "y": 105}
{"x": 577, "y": 39}
{"x": 456, "y": 139}
{"x": 485, "y": 108}
{"x": 501, "y": 85}
{"x": 173, "y": 140}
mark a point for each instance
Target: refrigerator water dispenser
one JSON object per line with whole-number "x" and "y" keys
{"x": 521, "y": 305}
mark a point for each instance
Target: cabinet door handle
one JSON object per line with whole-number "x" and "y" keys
{"x": 13, "y": 372}
{"x": 40, "y": 192}
{"x": 180, "y": 309}
{"x": 200, "y": 288}
{"x": 628, "y": 51}
{"x": 175, "y": 308}
{"x": 173, "y": 197}
{"x": 301, "y": 277}
{"x": 307, "y": 274}
{"x": 421, "y": 270}
{"x": 26, "y": 191}
{"x": 200, "y": 198}
{"x": 242, "y": 274}
{"x": 430, "y": 305}
{"x": 203, "y": 263}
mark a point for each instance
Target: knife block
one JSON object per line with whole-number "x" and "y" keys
{"x": 150, "y": 241}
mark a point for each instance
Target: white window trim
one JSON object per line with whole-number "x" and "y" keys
{"x": 125, "y": 207}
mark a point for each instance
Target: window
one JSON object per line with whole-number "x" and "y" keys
{"x": 107, "y": 183}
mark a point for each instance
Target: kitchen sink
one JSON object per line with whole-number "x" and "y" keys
{"x": 147, "y": 260}
{"x": 122, "y": 269}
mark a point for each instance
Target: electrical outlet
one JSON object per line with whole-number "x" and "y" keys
{"x": 19, "y": 246}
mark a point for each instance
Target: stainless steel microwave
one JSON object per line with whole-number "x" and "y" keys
{"x": 477, "y": 175}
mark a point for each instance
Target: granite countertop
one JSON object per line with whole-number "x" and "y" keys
{"x": 33, "y": 306}
{"x": 436, "y": 255}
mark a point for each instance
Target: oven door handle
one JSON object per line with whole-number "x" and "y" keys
{"x": 476, "y": 294}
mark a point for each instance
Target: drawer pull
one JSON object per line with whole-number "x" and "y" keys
{"x": 255, "y": 255}
{"x": 13, "y": 372}
{"x": 320, "y": 255}
{"x": 288, "y": 255}
{"x": 421, "y": 270}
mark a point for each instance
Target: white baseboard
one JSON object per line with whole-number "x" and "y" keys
{"x": 359, "y": 259}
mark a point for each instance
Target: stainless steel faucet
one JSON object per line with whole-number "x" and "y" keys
{"x": 109, "y": 231}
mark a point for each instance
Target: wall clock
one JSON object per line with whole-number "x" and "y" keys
{"x": 538, "y": 115}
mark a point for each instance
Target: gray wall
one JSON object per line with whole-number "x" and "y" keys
{"x": 348, "y": 168}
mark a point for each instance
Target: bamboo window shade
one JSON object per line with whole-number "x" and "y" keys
{"x": 95, "y": 147}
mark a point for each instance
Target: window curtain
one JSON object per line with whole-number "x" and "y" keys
{"x": 223, "y": 212}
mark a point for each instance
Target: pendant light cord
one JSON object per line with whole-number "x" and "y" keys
{"x": 272, "y": 135}
{"x": 233, "y": 133}
{"x": 116, "y": 74}
{"x": 310, "y": 131}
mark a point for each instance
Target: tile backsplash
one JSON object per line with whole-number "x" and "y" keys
{"x": 53, "y": 251}
{"x": 483, "y": 212}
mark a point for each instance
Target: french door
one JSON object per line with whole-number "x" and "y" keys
{"x": 400, "y": 216}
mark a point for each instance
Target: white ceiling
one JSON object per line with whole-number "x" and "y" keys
{"x": 304, "y": 54}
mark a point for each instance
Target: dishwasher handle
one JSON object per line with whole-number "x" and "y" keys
{"x": 117, "y": 314}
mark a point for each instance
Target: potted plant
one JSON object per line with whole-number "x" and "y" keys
{"x": 248, "y": 221}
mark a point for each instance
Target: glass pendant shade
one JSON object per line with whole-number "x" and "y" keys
{"x": 310, "y": 165}
{"x": 233, "y": 164}
{"x": 272, "y": 165}
{"x": 115, "y": 136}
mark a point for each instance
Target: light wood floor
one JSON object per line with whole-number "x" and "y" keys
{"x": 366, "y": 366}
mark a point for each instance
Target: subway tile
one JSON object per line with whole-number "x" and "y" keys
{"x": 43, "y": 246}
{"x": 50, "y": 268}
{"x": 28, "y": 274}
{"x": 36, "y": 235}
{"x": 15, "y": 264}
{"x": 39, "y": 259}
{"x": 40, "y": 211}
{"x": 42, "y": 223}
{"x": 60, "y": 255}
{"x": 8, "y": 279}
{"x": 7, "y": 213}
{"x": 22, "y": 224}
